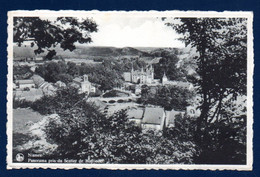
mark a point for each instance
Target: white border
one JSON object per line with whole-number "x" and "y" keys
{"x": 47, "y": 13}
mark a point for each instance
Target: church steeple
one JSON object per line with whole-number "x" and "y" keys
{"x": 164, "y": 79}
{"x": 132, "y": 70}
{"x": 151, "y": 68}
{"x": 164, "y": 75}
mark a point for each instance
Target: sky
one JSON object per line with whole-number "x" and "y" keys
{"x": 133, "y": 31}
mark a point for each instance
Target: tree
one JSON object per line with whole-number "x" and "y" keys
{"x": 22, "y": 72}
{"x": 85, "y": 133}
{"x": 50, "y": 71}
{"x": 222, "y": 68}
{"x": 78, "y": 130}
{"x": 47, "y": 34}
{"x": 63, "y": 101}
{"x": 168, "y": 97}
{"x": 221, "y": 44}
{"x": 168, "y": 65}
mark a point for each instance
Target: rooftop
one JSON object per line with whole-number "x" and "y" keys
{"x": 80, "y": 79}
{"x": 135, "y": 113}
{"x": 153, "y": 116}
{"x": 38, "y": 80}
{"x": 171, "y": 115}
{"x": 27, "y": 81}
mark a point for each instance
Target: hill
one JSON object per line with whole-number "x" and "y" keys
{"x": 83, "y": 52}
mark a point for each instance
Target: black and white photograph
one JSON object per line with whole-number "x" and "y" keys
{"x": 130, "y": 90}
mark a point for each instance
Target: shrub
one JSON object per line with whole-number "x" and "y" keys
{"x": 21, "y": 103}
{"x": 87, "y": 134}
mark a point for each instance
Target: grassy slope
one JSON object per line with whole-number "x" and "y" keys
{"x": 23, "y": 116}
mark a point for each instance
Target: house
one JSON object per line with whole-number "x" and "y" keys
{"x": 127, "y": 76}
{"x": 84, "y": 85}
{"x": 154, "y": 118}
{"x": 38, "y": 80}
{"x": 138, "y": 89}
{"x": 166, "y": 81}
{"x": 170, "y": 118}
{"x": 181, "y": 84}
{"x": 46, "y": 87}
{"x": 136, "y": 115}
{"x": 25, "y": 83}
{"x": 38, "y": 58}
{"x": 60, "y": 84}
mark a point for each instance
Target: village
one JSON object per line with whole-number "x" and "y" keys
{"x": 131, "y": 96}
{"x": 123, "y": 97}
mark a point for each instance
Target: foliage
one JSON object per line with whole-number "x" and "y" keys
{"x": 18, "y": 103}
{"x": 64, "y": 98}
{"x": 168, "y": 65}
{"x": 22, "y": 72}
{"x": 114, "y": 93}
{"x": 184, "y": 128}
{"x": 169, "y": 97}
{"x": 227, "y": 136}
{"x": 46, "y": 34}
{"x": 85, "y": 133}
{"x": 51, "y": 71}
{"x": 107, "y": 75}
{"x": 96, "y": 94}
{"x": 81, "y": 131}
{"x": 221, "y": 44}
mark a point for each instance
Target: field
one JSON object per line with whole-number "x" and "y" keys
{"x": 21, "y": 117}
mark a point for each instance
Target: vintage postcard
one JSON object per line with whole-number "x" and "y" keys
{"x": 130, "y": 90}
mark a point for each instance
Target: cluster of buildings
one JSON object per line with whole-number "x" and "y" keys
{"x": 146, "y": 76}
{"x": 154, "y": 117}
{"x": 147, "y": 118}
{"x": 35, "y": 87}
{"x": 83, "y": 84}
{"x": 157, "y": 118}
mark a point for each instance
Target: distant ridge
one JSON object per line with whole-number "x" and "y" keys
{"x": 110, "y": 51}
{"x": 84, "y": 51}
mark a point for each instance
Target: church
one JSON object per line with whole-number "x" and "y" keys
{"x": 140, "y": 77}
{"x": 84, "y": 85}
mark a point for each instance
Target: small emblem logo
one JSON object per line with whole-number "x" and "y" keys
{"x": 19, "y": 157}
